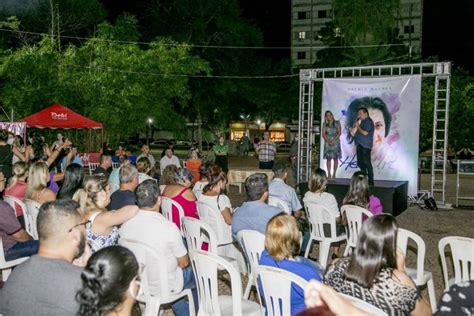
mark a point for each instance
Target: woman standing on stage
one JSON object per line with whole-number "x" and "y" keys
{"x": 331, "y": 130}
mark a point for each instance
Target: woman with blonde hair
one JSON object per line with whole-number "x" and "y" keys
{"x": 194, "y": 163}
{"x": 167, "y": 177}
{"x": 93, "y": 199}
{"x": 282, "y": 244}
{"x": 37, "y": 185}
{"x": 17, "y": 187}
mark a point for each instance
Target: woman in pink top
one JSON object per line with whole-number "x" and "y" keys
{"x": 17, "y": 187}
{"x": 180, "y": 193}
{"x": 359, "y": 195}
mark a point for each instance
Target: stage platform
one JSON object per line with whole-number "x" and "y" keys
{"x": 392, "y": 194}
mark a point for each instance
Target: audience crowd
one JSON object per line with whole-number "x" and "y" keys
{"x": 80, "y": 238}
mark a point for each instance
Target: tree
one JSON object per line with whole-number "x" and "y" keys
{"x": 115, "y": 83}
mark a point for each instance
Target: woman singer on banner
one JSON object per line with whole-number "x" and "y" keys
{"x": 331, "y": 130}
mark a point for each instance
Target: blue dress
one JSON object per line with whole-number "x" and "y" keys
{"x": 304, "y": 270}
{"x": 332, "y": 151}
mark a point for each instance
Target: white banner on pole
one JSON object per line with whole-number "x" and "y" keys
{"x": 394, "y": 106}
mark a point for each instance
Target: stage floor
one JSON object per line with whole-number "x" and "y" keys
{"x": 392, "y": 194}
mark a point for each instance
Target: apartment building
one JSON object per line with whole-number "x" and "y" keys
{"x": 308, "y": 17}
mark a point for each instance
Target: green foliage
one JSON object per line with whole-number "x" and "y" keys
{"x": 114, "y": 83}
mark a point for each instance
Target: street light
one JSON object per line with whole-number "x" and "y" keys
{"x": 149, "y": 122}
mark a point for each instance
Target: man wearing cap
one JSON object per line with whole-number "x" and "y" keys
{"x": 279, "y": 189}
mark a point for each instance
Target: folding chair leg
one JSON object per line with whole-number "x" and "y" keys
{"x": 249, "y": 286}
{"x": 6, "y": 274}
{"x": 431, "y": 294}
{"x": 324, "y": 253}
{"x": 192, "y": 310}
{"x": 308, "y": 247}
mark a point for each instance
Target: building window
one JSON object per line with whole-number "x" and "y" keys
{"x": 322, "y": 14}
{"x": 302, "y": 15}
{"x": 301, "y": 55}
{"x": 301, "y": 35}
{"x": 409, "y": 29}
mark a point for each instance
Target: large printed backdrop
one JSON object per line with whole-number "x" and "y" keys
{"x": 394, "y": 106}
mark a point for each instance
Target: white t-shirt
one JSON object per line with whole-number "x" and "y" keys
{"x": 198, "y": 187}
{"x": 223, "y": 203}
{"x": 162, "y": 235}
{"x": 165, "y": 161}
{"x": 323, "y": 198}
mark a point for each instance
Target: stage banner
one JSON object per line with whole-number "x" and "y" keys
{"x": 394, "y": 106}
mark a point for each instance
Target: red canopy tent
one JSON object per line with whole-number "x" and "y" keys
{"x": 58, "y": 116}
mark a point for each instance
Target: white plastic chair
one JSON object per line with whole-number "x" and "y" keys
{"x": 354, "y": 216}
{"x": 276, "y": 286}
{"x": 317, "y": 217}
{"x": 418, "y": 274}
{"x": 13, "y": 201}
{"x": 153, "y": 302}
{"x": 205, "y": 266}
{"x": 277, "y": 202}
{"x": 363, "y": 305}
{"x": 6, "y": 266}
{"x": 32, "y": 208}
{"x": 462, "y": 251}
{"x": 115, "y": 165}
{"x": 92, "y": 167}
{"x": 167, "y": 209}
{"x": 214, "y": 219}
{"x": 196, "y": 233}
{"x": 253, "y": 244}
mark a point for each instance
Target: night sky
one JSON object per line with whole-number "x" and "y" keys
{"x": 448, "y": 27}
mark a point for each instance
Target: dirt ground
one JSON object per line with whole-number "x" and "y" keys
{"x": 431, "y": 226}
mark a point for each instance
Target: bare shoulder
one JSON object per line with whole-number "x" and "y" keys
{"x": 403, "y": 278}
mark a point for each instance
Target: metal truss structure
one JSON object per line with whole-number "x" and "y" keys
{"x": 442, "y": 75}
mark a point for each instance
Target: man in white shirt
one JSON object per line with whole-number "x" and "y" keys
{"x": 154, "y": 230}
{"x": 278, "y": 188}
{"x": 169, "y": 159}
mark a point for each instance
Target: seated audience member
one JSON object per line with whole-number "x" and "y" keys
{"x": 143, "y": 167}
{"x": 203, "y": 180}
{"x": 71, "y": 157}
{"x": 17, "y": 187}
{"x": 317, "y": 194}
{"x": 182, "y": 194}
{"x": 375, "y": 272}
{"x": 359, "y": 195}
{"x": 279, "y": 189}
{"x": 73, "y": 179}
{"x": 282, "y": 244}
{"x": 105, "y": 165}
{"x": 120, "y": 152}
{"x": 110, "y": 283}
{"x": 37, "y": 184}
{"x": 167, "y": 177}
{"x": 16, "y": 241}
{"x": 169, "y": 159}
{"x": 147, "y": 154}
{"x": 214, "y": 197}
{"x": 101, "y": 228}
{"x": 114, "y": 178}
{"x": 194, "y": 164}
{"x": 154, "y": 230}
{"x": 457, "y": 300}
{"x": 47, "y": 283}
{"x": 255, "y": 213}
{"x": 128, "y": 176}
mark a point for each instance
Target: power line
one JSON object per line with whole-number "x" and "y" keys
{"x": 203, "y": 46}
{"x": 182, "y": 75}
